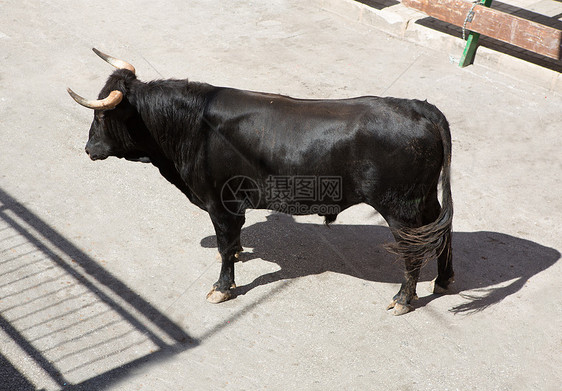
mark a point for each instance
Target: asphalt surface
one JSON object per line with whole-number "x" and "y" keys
{"x": 104, "y": 266}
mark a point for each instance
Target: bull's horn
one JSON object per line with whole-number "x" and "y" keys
{"x": 101, "y": 104}
{"x": 119, "y": 64}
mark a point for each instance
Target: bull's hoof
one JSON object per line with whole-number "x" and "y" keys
{"x": 215, "y": 296}
{"x": 434, "y": 287}
{"x": 399, "y": 309}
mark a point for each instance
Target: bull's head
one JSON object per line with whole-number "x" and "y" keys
{"x": 110, "y": 134}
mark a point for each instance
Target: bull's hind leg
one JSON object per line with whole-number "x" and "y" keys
{"x": 445, "y": 273}
{"x": 227, "y": 228}
{"x": 401, "y": 302}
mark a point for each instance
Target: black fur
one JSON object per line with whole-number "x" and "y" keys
{"x": 385, "y": 152}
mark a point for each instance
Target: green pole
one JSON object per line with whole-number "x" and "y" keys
{"x": 472, "y": 42}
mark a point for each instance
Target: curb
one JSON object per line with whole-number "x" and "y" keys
{"x": 400, "y": 21}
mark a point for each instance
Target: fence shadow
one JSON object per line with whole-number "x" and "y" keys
{"x": 83, "y": 327}
{"x": 489, "y": 266}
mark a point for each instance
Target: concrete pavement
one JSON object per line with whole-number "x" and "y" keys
{"x": 104, "y": 266}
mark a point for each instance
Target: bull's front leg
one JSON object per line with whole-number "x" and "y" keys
{"x": 227, "y": 229}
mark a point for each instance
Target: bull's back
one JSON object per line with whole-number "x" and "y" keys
{"x": 287, "y": 136}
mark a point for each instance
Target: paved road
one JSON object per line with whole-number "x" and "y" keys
{"x": 104, "y": 266}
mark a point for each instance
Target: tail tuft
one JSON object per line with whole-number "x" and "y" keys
{"x": 424, "y": 243}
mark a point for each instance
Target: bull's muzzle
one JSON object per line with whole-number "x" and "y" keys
{"x": 94, "y": 152}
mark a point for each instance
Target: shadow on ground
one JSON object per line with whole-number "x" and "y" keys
{"x": 379, "y": 4}
{"x": 490, "y": 265}
{"x": 70, "y": 323}
{"x": 75, "y": 326}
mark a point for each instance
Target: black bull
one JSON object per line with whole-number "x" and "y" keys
{"x": 228, "y": 150}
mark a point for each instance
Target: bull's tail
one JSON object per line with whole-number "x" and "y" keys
{"x": 429, "y": 241}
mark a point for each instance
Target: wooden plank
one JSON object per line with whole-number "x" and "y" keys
{"x": 508, "y": 28}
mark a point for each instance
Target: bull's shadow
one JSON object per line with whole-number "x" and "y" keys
{"x": 491, "y": 264}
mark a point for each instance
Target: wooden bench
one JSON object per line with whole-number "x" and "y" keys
{"x": 480, "y": 19}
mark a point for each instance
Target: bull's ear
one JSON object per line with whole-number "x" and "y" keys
{"x": 114, "y": 98}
